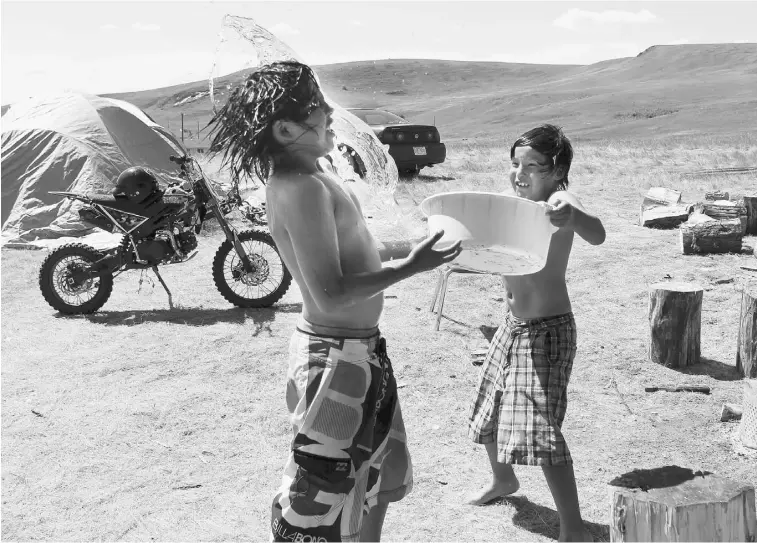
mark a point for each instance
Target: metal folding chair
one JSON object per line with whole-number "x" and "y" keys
{"x": 441, "y": 288}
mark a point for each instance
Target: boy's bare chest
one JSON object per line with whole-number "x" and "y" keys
{"x": 347, "y": 214}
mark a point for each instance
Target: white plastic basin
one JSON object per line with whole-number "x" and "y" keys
{"x": 500, "y": 234}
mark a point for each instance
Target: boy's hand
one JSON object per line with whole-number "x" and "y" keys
{"x": 423, "y": 257}
{"x": 561, "y": 213}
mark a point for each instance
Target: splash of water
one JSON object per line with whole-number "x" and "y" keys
{"x": 244, "y": 45}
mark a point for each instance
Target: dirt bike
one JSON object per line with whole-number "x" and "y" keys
{"x": 247, "y": 269}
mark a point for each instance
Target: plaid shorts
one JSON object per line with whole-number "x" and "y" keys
{"x": 349, "y": 451}
{"x": 522, "y": 391}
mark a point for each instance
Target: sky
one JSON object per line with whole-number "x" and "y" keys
{"x": 109, "y": 46}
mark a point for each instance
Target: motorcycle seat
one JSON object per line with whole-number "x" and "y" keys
{"x": 121, "y": 204}
{"x": 129, "y": 206}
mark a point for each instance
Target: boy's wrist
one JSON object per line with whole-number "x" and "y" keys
{"x": 405, "y": 268}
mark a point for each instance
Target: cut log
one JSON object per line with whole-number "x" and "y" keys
{"x": 665, "y": 216}
{"x": 730, "y": 412}
{"x": 662, "y": 208}
{"x": 675, "y": 322}
{"x": 724, "y": 209}
{"x": 746, "y": 344}
{"x": 711, "y": 237}
{"x": 716, "y": 195}
{"x": 661, "y": 196}
{"x": 750, "y": 204}
{"x": 748, "y": 425}
{"x": 698, "y": 217}
{"x": 677, "y": 504}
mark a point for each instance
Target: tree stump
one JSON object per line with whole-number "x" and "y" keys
{"x": 748, "y": 426}
{"x": 711, "y": 236}
{"x": 675, "y": 322}
{"x": 677, "y": 504}
{"x": 750, "y": 203}
{"x": 746, "y": 344}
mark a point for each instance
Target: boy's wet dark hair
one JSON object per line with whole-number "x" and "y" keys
{"x": 242, "y": 128}
{"x": 550, "y": 141}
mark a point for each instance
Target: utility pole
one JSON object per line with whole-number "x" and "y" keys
{"x": 182, "y": 128}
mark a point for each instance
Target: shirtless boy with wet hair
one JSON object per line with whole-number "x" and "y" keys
{"x": 522, "y": 391}
{"x": 348, "y": 457}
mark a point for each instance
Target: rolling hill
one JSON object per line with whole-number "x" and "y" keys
{"x": 665, "y": 90}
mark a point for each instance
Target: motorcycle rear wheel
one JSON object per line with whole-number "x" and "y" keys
{"x": 269, "y": 280}
{"x": 67, "y": 293}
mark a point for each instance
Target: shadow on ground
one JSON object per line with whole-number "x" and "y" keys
{"x": 662, "y": 477}
{"x": 190, "y": 316}
{"x": 488, "y": 331}
{"x": 426, "y": 178}
{"x": 713, "y": 368}
{"x": 544, "y": 521}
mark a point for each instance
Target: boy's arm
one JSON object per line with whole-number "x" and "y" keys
{"x": 313, "y": 234}
{"x": 569, "y": 213}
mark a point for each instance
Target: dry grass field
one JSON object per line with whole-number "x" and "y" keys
{"x": 138, "y": 423}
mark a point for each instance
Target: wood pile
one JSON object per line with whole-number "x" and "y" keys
{"x": 662, "y": 208}
{"x": 717, "y": 225}
{"x": 723, "y": 210}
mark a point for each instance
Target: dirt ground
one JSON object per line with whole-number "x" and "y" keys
{"x": 140, "y": 423}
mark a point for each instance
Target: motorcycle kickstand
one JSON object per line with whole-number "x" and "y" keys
{"x": 170, "y": 299}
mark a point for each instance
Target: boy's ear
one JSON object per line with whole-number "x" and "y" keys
{"x": 559, "y": 172}
{"x": 282, "y": 131}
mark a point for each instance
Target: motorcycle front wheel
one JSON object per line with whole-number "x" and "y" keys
{"x": 265, "y": 284}
{"x": 67, "y": 287}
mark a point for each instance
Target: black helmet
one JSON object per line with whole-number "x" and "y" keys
{"x": 136, "y": 183}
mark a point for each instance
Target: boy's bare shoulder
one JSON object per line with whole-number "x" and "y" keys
{"x": 291, "y": 188}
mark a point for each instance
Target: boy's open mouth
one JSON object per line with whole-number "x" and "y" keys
{"x": 521, "y": 185}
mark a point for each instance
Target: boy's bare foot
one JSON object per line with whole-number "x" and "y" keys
{"x": 495, "y": 490}
{"x": 583, "y": 535}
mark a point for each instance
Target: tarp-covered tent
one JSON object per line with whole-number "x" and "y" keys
{"x": 72, "y": 142}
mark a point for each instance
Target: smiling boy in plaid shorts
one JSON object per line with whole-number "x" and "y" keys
{"x": 522, "y": 392}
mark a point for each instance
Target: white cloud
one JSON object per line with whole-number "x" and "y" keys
{"x": 574, "y": 16}
{"x": 283, "y": 29}
{"x": 108, "y": 26}
{"x": 145, "y": 27}
{"x": 356, "y": 23}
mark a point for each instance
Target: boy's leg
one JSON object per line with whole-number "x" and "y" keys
{"x": 562, "y": 484}
{"x": 504, "y": 481}
{"x": 333, "y": 407}
{"x": 390, "y": 459}
{"x": 373, "y": 522}
{"x": 484, "y": 418}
